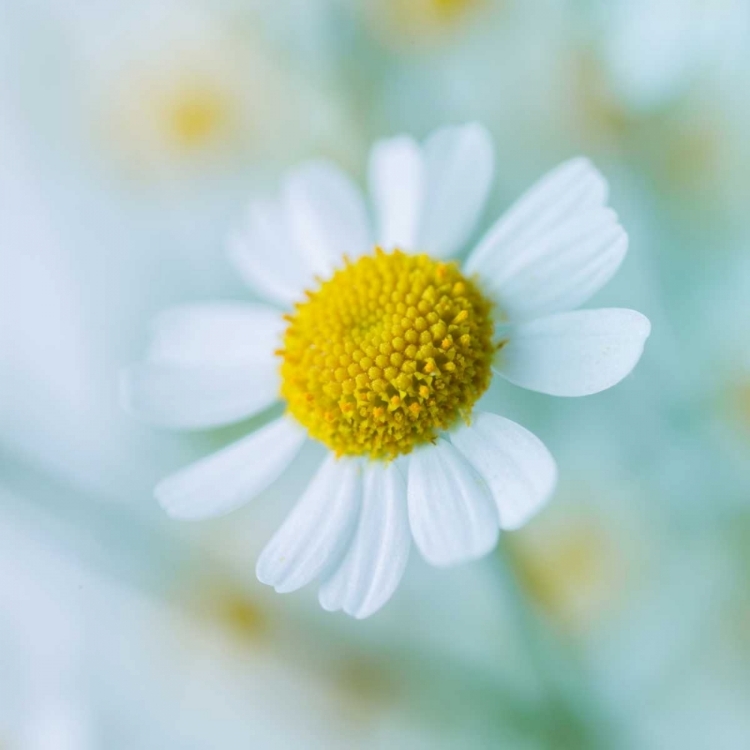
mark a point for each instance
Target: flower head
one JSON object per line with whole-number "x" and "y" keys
{"x": 380, "y": 348}
{"x": 386, "y": 354}
{"x": 177, "y": 90}
{"x": 419, "y": 22}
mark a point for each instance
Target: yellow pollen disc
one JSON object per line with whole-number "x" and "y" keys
{"x": 387, "y": 353}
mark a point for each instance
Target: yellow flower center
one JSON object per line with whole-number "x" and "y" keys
{"x": 422, "y": 18}
{"x": 196, "y": 115}
{"x": 387, "y": 353}
{"x": 450, "y": 9}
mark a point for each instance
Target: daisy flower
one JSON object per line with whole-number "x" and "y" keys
{"x": 410, "y": 22}
{"x": 380, "y": 348}
{"x": 654, "y": 52}
{"x": 174, "y": 90}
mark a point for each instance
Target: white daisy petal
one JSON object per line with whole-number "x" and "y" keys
{"x": 396, "y": 178}
{"x": 452, "y": 514}
{"x": 208, "y": 365}
{"x": 574, "y": 353}
{"x": 574, "y": 185}
{"x": 317, "y": 531}
{"x": 537, "y": 229}
{"x": 266, "y": 256}
{"x": 219, "y": 483}
{"x": 225, "y": 333}
{"x": 326, "y": 215}
{"x": 515, "y": 464}
{"x": 458, "y": 170}
{"x": 560, "y": 269}
{"x": 197, "y": 397}
{"x": 376, "y": 560}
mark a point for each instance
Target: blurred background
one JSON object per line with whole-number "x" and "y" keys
{"x": 132, "y": 135}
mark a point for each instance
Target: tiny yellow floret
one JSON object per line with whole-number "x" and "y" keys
{"x": 388, "y": 352}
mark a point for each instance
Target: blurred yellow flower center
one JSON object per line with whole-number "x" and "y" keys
{"x": 451, "y": 8}
{"x": 387, "y": 353}
{"x": 195, "y": 116}
{"x": 424, "y": 15}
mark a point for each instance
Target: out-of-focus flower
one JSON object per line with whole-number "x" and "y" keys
{"x": 654, "y": 52}
{"x": 174, "y": 89}
{"x": 505, "y": 66}
{"x": 101, "y": 196}
{"x": 88, "y": 662}
{"x": 660, "y": 81}
{"x": 410, "y": 22}
{"x": 587, "y": 561}
{"x": 386, "y": 358}
{"x": 575, "y": 572}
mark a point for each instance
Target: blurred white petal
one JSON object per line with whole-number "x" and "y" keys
{"x": 267, "y": 257}
{"x": 327, "y": 216}
{"x": 653, "y": 49}
{"x": 225, "y": 333}
{"x": 193, "y": 397}
{"x": 221, "y": 482}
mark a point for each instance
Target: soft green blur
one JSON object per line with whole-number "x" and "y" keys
{"x": 132, "y": 135}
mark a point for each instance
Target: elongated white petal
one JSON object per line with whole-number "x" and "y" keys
{"x": 218, "y": 333}
{"x": 375, "y": 562}
{"x": 560, "y": 269}
{"x": 514, "y": 463}
{"x": 219, "y": 483}
{"x": 574, "y": 353}
{"x": 327, "y": 216}
{"x": 267, "y": 257}
{"x": 554, "y": 248}
{"x": 195, "y": 397}
{"x": 458, "y": 171}
{"x": 452, "y": 514}
{"x": 316, "y": 533}
{"x": 396, "y": 178}
{"x": 575, "y": 185}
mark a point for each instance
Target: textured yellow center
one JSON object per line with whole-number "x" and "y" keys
{"x": 388, "y": 352}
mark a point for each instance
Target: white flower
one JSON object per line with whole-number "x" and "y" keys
{"x": 412, "y": 24}
{"x": 174, "y": 92}
{"x": 378, "y": 364}
{"x": 654, "y": 52}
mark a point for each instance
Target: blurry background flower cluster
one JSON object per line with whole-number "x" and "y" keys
{"x": 132, "y": 135}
